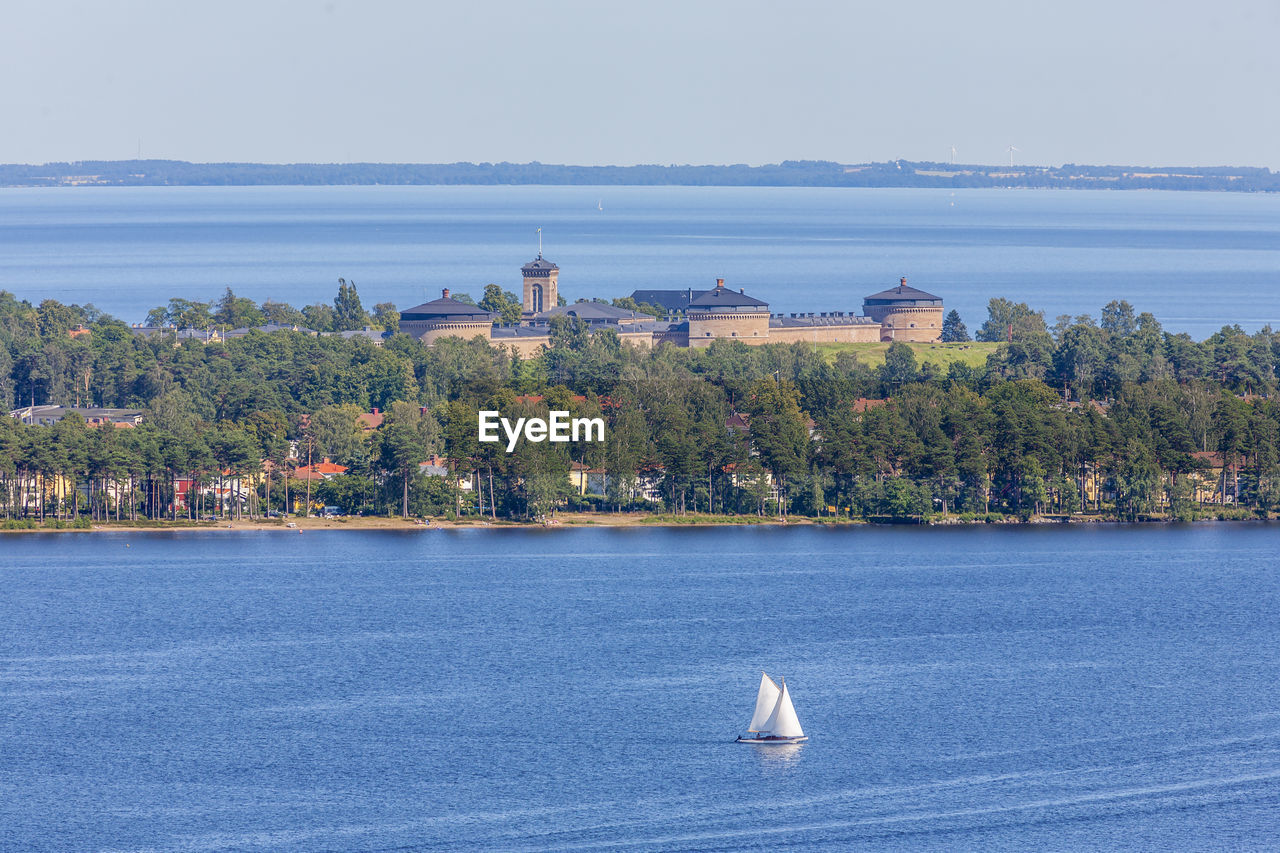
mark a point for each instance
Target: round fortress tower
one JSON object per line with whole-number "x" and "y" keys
{"x": 721, "y": 313}
{"x": 445, "y": 317}
{"x": 905, "y": 314}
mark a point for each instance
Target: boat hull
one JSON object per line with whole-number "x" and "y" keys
{"x": 772, "y": 741}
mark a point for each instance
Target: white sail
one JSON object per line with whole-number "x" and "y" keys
{"x": 783, "y": 721}
{"x": 766, "y": 699}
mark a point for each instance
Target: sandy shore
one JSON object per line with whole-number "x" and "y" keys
{"x": 297, "y": 525}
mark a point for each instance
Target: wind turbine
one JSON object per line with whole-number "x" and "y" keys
{"x": 953, "y": 155}
{"x": 1011, "y": 150}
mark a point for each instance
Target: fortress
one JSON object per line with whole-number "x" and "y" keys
{"x": 695, "y": 318}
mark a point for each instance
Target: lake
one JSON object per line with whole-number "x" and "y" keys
{"x": 1003, "y": 688}
{"x": 1197, "y": 261}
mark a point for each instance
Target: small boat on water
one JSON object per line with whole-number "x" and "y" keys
{"x": 774, "y": 721}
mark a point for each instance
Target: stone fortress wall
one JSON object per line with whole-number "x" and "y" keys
{"x": 705, "y": 327}
{"x": 899, "y": 314}
{"x": 839, "y": 333}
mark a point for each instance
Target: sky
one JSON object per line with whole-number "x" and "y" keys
{"x": 1181, "y": 82}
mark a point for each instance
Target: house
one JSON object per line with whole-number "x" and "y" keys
{"x": 748, "y": 480}
{"x": 648, "y": 484}
{"x": 438, "y": 466}
{"x": 325, "y": 470}
{"x": 587, "y": 480}
{"x": 374, "y": 336}
{"x": 1213, "y": 481}
{"x": 739, "y": 424}
{"x": 50, "y": 415}
{"x": 538, "y": 398}
{"x": 267, "y": 329}
{"x": 369, "y": 421}
{"x": 204, "y": 336}
{"x": 42, "y": 493}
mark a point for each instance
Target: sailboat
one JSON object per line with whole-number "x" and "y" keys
{"x": 774, "y": 720}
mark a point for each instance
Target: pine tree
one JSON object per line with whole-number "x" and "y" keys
{"x": 348, "y": 312}
{"x": 954, "y": 329}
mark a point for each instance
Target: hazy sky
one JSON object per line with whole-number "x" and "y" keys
{"x": 1162, "y": 83}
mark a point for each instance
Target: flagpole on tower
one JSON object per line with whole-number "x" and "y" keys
{"x": 539, "y": 242}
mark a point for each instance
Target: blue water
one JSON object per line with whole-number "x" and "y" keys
{"x": 1081, "y": 687}
{"x": 1195, "y": 260}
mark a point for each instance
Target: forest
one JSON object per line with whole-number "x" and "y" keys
{"x": 1108, "y": 416}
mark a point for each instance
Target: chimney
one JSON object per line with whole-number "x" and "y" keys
{"x": 742, "y": 290}
{"x": 446, "y": 291}
{"x": 719, "y": 283}
{"x": 375, "y": 410}
{"x": 902, "y": 282}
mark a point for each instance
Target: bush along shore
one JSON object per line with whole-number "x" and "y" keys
{"x": 1086, "y": 418}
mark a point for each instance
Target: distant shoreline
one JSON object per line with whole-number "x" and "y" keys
{"x": 585, "y": 520}
{"x": 790, "y": 173}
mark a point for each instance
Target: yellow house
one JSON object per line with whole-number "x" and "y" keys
{"x": 586, "y": 480}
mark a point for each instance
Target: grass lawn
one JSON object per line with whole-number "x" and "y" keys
{"x": 872, "y": 354}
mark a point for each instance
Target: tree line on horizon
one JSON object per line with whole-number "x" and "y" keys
{"x": 789, "y": 173}
{"x": 1111, "y": 415}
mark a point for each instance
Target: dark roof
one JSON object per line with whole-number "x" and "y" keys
{"x": 902, "y": 293}
{"x": 644, "y": 326}
{"x": 375, "y": 335}
{"x": 591, "y": 311}
{"x": 268, "y": 329}
{"x": 672, "y": 300}
{"x": 519, "y": 332}
{"x": 781, "y": 322}
{"x": 723, "y": 297}
{"x": 33, "y": 415}
{"x": 152, "y": 331}
{"x": 446, "y": 307}
{"x": 539, "y": 264}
